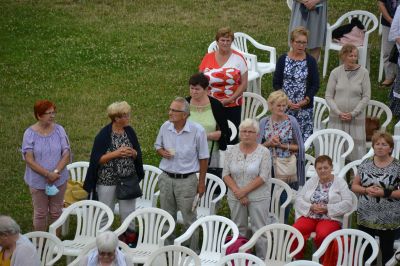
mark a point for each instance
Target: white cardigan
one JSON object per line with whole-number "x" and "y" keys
{"x": 339, "y": 198}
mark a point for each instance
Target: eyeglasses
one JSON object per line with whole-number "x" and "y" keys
{"x": 108, "y": 254}
{"x": 176, "y": 110}
{"x": 247, "y": 132}
{"x": 300, "y": 43}
{"x": 50, "y": 113}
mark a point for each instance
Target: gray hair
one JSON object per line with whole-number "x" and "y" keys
{"x": 107, "y": 241}
{"x": 8, "y": 226}
{"x": 186, "y": 105}
{"x": 248, "y": 122}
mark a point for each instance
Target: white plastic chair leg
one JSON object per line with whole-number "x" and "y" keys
{"x": 65, "y": 227}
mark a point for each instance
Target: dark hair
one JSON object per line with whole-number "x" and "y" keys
{"x": 323, "y": 158}
{"x": 199, "y": 79}
{"x": 41, "y": 106}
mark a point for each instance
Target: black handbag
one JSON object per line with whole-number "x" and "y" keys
{"x": 394, "y": 55}
{"x": 128, "y": 188}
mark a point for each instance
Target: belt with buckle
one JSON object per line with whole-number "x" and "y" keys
{"x": 178, "y": 176}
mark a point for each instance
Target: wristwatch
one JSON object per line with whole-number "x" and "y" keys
{"x": 56, "y": 171}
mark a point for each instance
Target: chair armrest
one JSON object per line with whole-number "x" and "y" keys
{"x": 61, "y": 220}
{"x": 213, "y": 205}
{"x": 189, "y": 232}
{"x": 60, "y": 251}
{"x": 252, "y": 241}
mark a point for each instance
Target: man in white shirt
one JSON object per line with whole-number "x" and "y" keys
{"x": 182, "y": 144}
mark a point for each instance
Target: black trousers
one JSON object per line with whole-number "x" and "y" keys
{"x": 386, "y": 241}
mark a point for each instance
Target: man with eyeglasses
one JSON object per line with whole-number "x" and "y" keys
{"x": 182, "y": 144}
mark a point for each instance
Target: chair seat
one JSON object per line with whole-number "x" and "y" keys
{"x": 209, "y": 258}
{"x": 73, "y": 248}
{"x": 253, "y": 75}
{"x": 201, "y": 212}
{"x": 265, "y": 68}
{"x": 142, "y": 253}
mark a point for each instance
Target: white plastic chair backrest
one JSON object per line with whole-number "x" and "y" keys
{"x": 173, "y": 256}
{"x": 277, "y": 209}
{"x": 254, "y": 106}
{"x": 351, "y": 247}
{"x": 397, "y": 129}
{"x": 240, "y": 259}
{"x": 233, "y": 129}
{"x": 347, "y": 216}
{"x": 368, "y": 19}
{"x": 310, "y": 161}
{"x": 89, "y": 215}
{"x": 49, "y": 247}
{"x": 280, "y": 238}
{"x": 240, "y": 41}
{"x": 78, "y": 170}
{"x": 320, "y": 113}
{"x": 213, "y": 182}
{"x": 377, "y": 109}
{"x": 124, "y": 248}
{"x": 303, "y": 263}
{"x": 351, "y": 166}
{"x": 150, "y": 222}
{"x": 335, "y": 143}
{"x": 149, "y": 182}
{"x": 289, "y": 4}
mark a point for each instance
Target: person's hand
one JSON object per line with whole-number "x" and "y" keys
{"x": 345, "y": 116}
{"x": 244, "y": 201}
{"x": 226, "y": 101}
{"x": 375, "y": 191}
{"x": 52, "y": 177}
{"x": 240, "y": 193}
{"x": 131, "y": 152}
{"x": 294, "y": 106}
{"x": 166, "y": 154}
{"x": 201, "y": 188}
{"x": 310, "y": 4}
{"x": 275, "y": 141}
{"x": 319, "y": 208}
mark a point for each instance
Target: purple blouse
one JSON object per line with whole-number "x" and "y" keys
{"x": 47, "y": 151}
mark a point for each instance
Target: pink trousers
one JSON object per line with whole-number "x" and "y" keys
{"x": 44, "y": 205}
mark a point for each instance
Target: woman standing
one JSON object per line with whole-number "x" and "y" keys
{"x": 297, "y": 75}
{"x": 347, "y": 95}
{"x": 311, "y": 14}
{"x": 46, "y": 150}
{"x": 227, "y": 73}
{"x": 281, "y": 134}
{"x": 116, "y": 155}
{"x": 208, "y": 112}
{"x": 378, "y": 183}
{"x": 247, "y": 169}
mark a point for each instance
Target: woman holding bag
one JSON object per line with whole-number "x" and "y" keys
{"x": 116, "y": 156}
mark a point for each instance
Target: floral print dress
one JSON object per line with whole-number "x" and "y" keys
{"x": 294, "y": 85}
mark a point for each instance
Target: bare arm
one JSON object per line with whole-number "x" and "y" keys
{"x": 215, "y": 135}
{"x": 201, "y": 187}
{"x": 385, "y": 13}
{"x": 242, "y": 88}
{"x": 356, "y": 187}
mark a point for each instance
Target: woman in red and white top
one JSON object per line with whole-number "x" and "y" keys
{"x": 227, "y": 73}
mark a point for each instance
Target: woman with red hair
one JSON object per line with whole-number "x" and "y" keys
{"x": 46, "y": 151}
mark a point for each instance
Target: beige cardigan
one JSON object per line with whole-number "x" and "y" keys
{"x": 339, "y": 203}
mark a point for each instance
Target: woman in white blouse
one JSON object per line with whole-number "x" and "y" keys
{"x": 321, "y": 203}
{"x": 247, "y": 169}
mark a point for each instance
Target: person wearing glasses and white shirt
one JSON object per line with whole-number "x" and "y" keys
{"x": 183, "y": 146}
{"x": 247, "y": 169}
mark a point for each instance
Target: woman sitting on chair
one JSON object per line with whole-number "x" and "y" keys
{"x": 321, "y": 203}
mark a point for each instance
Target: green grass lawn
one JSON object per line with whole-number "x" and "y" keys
{"x": 84, "y": 55}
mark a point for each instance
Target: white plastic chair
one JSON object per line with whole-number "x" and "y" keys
{"x": 124, "y": 248}
{"x": 395, "y": 259}
{"x": 207, "y": 204}
{"x": 303, "y": 263}
{"x": 351, "y": 166}
{"x": 254, "y": 106}
{"x": 381, "y": 64}
{"x": 370, "y": 23}
{"x": 378, "y": 109}
{"x": 280, "y": 238}
{"x": 397, "y": 129}
{"x": 240, "y": 259}
{"x": 351, "y": 247}
{"x": 233, "y": 129}
{"x": 251, "y": 61}
{"x": 215, "y": 230}
{"x": 89, "y": 215}
{"x": 321, "y": 113}
{"x": 173, "y": 256}
{"x": 151, "y": 235}
{"x": 335, "y": 143}
{"x": 78, "y": 170}
{"x": 241, "y": 40}
{"x": 49, "y": 247}
{"x": 276, "y": 209}
{"x": 148, "y": 185}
